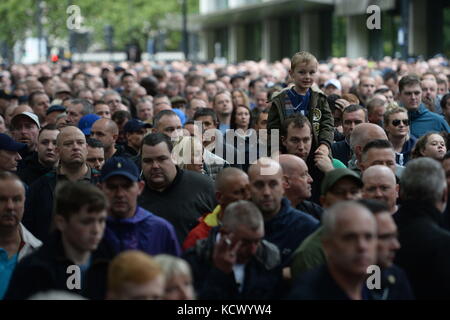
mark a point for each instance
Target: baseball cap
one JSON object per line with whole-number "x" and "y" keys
{"x": 334, "y": 82}
{"x": 7, "y": 143}
{"x": 119, "y": 166}
{"x": 134, "y": 125}
{"x": 7, "y": 96}
{"x": 54, "y": 108}
{"x": 237, "y": 76}
{"x": 335, "y": 175}
{"x": 86, "y": 123}
{"x": 178, "y": 99}
{"x": 27, "y": 114}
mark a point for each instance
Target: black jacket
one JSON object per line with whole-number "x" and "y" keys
{"x": 46, "y": 269}
{"x": 190, "y": 196}
{"x": 38, "y": 212}
{"x": 425, "y": 251}
{"x": 341, "y": 150}
{"x": 32, "y": 169}
{"x": 263, "y": 277}
{"x": 310, "y": 208}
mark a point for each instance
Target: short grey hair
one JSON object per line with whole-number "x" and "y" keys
{"x": 87, "y": 106}
{"x": 331, "y": 214}
{"x": 242, "y": 213}
{"x": 423, "y": 179}
{"x": 110, "y": 93}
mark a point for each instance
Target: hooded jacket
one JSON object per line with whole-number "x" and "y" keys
{"x": 143, "y": 231}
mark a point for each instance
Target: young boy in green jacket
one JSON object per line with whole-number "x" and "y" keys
{"x": 305, "y": 99}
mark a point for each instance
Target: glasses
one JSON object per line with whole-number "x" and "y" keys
{"x": 396, "y": 123}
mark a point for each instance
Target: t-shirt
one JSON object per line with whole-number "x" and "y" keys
{"x": 6, "y": 269}
{"x": 299, "y": 102}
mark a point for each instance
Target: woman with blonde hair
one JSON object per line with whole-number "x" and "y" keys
{"x": 178, "y": 278}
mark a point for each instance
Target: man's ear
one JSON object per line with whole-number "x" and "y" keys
{"x": 283, "y": 140}
{"x": 141, "y": 185}
{"x": 218, "y": 196}
{"x": 60, "y": 222}
{"x": 286, "y": 183}
{"x": 154, "y": 130}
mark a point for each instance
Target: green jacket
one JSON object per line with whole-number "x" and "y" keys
{"x": 309, "y": 255}
{"x": 319, "y": 115}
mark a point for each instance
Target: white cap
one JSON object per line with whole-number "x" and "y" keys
{"x": 334, "y": 82}
{"x": 30, "y": 115}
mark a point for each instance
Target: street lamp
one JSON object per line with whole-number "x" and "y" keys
{"x": 185, "y": 31}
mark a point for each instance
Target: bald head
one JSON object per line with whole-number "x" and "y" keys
{"x": 349, "y": 220}
{"x": 380, "y": 184}
{"x": 297, "y": 181}
{"x": 231, "y": 185}
{"x": 266, "y": 186}
{"x": 290, "y": 163}
{"x": 363, "y": 134}
{"x": 378, "y": 171}
{"x": 226, "y": 177}
{"x": 264, "y": 167}
{"x": 66, "y": 132}
{"x": 106, "y": 124}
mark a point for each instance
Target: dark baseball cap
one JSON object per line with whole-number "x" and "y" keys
{"x": 237, "y": 76}
{"x": 335, "y": 175}
{"x": 134, "y": 125}
{"x": 7, "y": 96}
{"x": 7, "y": 143}
{"x": 56, "y": 107}
{"x": 119, "y": 166}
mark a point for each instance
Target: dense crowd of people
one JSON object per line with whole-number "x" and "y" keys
{"x": 296, "y": 179}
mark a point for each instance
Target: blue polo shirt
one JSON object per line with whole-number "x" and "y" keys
{"x": 6, "y": 269}
{"x": 424, "y": 121}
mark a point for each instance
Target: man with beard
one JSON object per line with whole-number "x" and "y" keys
{"x": 25, "y": 129}
{"x": 366, "y": 89}
{"x": 72, "y": 151}
{"x": 42, "y": 161}
{"x": 16, "y": 241}
{"x": 130, "y": 227}
{"x": 180, "y": 196}
{"x": 223, "y": 106}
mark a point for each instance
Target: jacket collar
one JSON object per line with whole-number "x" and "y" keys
{"x": 139, "y": 215}
{"x": 31, "y": 243}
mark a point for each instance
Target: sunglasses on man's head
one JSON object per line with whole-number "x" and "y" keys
{"x": 396, "y": 123}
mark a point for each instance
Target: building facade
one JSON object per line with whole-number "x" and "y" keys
{"x": 273, "y": 29}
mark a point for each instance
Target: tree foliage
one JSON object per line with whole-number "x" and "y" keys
{"x": 131, "y": 19}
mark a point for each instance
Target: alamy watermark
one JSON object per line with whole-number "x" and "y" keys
{"x": 75, "y": 18}
{"x": 374, "y": 20}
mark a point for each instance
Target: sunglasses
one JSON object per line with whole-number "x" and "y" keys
{"x": 396, "y": 123}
